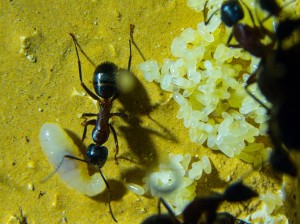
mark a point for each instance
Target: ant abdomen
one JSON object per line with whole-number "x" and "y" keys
{"x": 105, "y": 80}
{"x": 96, "y": 155}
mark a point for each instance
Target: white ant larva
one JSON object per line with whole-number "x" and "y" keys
{"x": 56, "y": 144}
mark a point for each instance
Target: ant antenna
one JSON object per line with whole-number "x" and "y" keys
{"x": 108, "y": 193}
{"x": 105, "y": 181}
{"x": 54, "y": 171}
{"x": 77, "y": 45}
{"x": 205, "y": 14}
{"x": 133, "y": 42}
{"x": 171, "y": 213}
{"x": 82, "y": 160}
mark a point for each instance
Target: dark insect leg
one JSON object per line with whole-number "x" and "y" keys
{"x": 250, "y": 81}
{"x": 90, "y": 122}
{"x": 171, "y": 213}
{"x": 89, "y": 115}
{"x": 116, "y": 142}
{"x": 231, "y": 45}
{"x": 120, "y": 115}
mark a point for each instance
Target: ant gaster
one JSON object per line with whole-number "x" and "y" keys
{"x": 203, "y": 210}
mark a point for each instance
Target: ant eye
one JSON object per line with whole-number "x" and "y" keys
{"x": 96, "y": 155}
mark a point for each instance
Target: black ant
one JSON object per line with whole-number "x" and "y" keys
{"x": 106, "y": 91}
{"x": 249, "y": 38}
{"x": 278, "y": 80}
{"x": 106, "y": 87}
{"x": 203, "y": 210}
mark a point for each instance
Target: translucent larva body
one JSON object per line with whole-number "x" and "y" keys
{"x": 56, "y": 144}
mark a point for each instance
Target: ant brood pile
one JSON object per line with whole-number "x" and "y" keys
{"x": 208, "y": 79}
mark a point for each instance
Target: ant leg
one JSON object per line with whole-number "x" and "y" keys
{"x": 93, "y": 95}
{"x": 119, "y": 115}
{"x": 171, "y": 213}
{"x": 116, "y": 142}
{"x": 130, "y": 57}
{"x": 205, "y": 14}
{"x": 90, "y": 122}
{"x": 134, "y": 44}
{"x": 250, "y": 81}
{"x": 89, "y": 115}
{"x": 231, "y": 45}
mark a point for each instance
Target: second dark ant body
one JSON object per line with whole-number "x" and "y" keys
{"x": 271, "y": 74}
{"x": 278, "y": 80}
{"x": 248, "y": 37}
{"x": 203, "y": 210}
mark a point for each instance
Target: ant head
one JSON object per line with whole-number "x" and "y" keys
{"x": 105, "y": 80}
{"x": 96, "y": 155}
{"x": 231, "y": 12}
